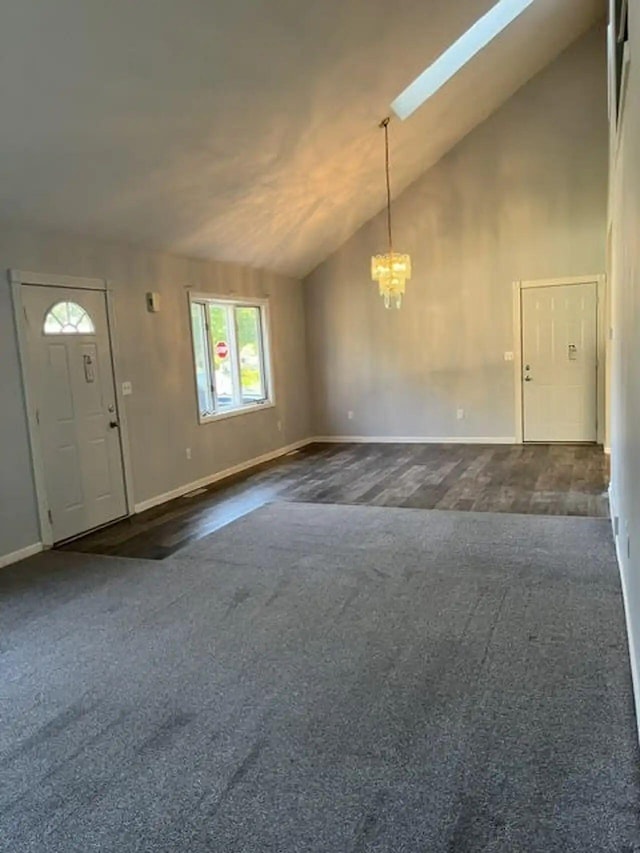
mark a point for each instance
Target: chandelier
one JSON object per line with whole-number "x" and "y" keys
{"x": 390, "y": 270}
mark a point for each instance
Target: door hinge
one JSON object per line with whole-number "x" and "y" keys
{"x": 50, "y": 517}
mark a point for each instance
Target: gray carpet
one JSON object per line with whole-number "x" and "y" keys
{"x": 323, "y": 678}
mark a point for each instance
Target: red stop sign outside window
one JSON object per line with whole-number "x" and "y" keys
{"x": 221, "y": 349}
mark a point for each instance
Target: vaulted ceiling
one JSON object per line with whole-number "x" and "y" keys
{"x": 241, "y": 130}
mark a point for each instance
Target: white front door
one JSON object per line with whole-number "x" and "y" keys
{"x": 71, "y": 383}
{"x": 559, "y": 360}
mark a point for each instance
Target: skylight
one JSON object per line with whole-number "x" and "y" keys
{"x": 456, "y": 57}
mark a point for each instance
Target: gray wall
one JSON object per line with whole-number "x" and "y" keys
{"x": 522, "y": 197}
{"x": 625, "y": 347}
{"x": 155, "y": 355}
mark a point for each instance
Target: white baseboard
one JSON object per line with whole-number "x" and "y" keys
{"x": 22, "y": 554}
{"x": 633, "y": 660}
{"x": 220, "y": 475}
{"x": 414, "y": 439}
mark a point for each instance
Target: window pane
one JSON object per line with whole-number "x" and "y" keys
{"x": 229, "y": 356}
{"x": 201, "y": 355}
{"x": 222, "y": 356}
{"x": 68, "y": 318}
{"x": 252, "y": 384}
{"x": 84, "y": 325}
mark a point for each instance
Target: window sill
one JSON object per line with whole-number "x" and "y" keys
{"x": 245, "y": 410}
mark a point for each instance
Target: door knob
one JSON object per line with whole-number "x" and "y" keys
{"x": 114, "y": 424}
{"x": 527, "y": 379}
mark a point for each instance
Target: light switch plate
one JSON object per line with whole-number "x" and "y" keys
{"x": 127, "y": 389}
{"x": 508, "y": 356}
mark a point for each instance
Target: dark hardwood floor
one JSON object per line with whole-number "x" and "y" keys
{"x": 545, "y": 479}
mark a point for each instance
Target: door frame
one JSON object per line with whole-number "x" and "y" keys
{"x": 18, "y": 278}
{"x": 518, "y": 286}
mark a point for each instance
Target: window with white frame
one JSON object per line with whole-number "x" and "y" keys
{"x": 230, "y": 348}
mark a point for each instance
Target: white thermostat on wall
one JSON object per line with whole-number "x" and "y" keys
{"x": 153, "y": 302}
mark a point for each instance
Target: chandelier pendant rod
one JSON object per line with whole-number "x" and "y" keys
{"x": 385, "y": 124}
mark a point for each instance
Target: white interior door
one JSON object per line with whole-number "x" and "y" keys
{"x": 559, "y": 360}
{"x": 71, "y": 383}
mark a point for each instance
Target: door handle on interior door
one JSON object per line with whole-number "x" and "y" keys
{"x": 114, "y": 424}
{"x": 527, "y": 379}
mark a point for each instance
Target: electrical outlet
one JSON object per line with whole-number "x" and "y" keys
{"x": 508, "y": 356}
{"x": 460, "y": 414}
{"x": 188, "y": 453}
{"x": 350, "y": 415}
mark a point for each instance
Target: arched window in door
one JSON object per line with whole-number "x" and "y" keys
{"x": 68, "y": 318}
